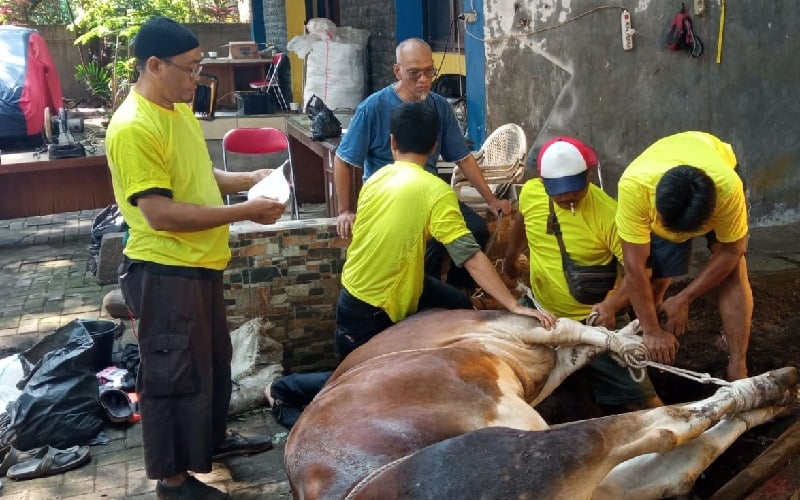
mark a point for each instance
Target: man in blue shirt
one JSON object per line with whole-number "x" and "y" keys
{"x": 366, "y": 145}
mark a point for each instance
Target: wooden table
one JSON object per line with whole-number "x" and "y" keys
{"x": 233, "y": 75}
{"x": 31, "y": 186}
{"x": 313, "y": 163}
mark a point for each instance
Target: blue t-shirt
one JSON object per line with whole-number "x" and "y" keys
{"x": 366, "y": 143}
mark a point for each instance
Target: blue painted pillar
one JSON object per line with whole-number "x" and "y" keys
{"x": 408, "y": 19}
{"x": 475, "y": 56}
{"x": 257, "y": 30}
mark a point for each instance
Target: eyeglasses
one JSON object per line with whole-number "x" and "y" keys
{"x": 194, "y": 72}
{"x": 415, "y": 74}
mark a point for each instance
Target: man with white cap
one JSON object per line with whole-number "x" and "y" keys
{"x": 563, "y": 205}
{"x": 171, "y": 276}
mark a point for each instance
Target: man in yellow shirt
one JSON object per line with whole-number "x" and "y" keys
{"x": 685, "y": 185}
{"x": 401, "y": 206}
{"x": 562, "y": 199}
{"x": 171, "y": 278}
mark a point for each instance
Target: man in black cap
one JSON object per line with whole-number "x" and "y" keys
{"x": 171, "y": 277}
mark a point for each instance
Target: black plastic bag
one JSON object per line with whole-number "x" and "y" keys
{"x": 109, "y": 220}
{"x": 324, "y": 123}
{"x": 60, "y": 401}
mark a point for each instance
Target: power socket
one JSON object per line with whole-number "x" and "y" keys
{"x": 470, "y": 17}
{"x": 627, "y": 30}
{"x": 699, "y": 7}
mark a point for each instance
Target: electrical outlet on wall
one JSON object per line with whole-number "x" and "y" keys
{"x": 699, "y": 7}
{"x": 470, "y": 17}
{"x": 627, "y": 30}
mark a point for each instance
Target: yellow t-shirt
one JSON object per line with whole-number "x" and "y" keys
{"x": 399, "y": 208}
{"x": 637, "y": 216}
{"x": 590, "y": 238}
{"x": 151, "y": 148}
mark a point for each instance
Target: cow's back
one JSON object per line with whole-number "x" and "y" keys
{"x": 392, "y": 405}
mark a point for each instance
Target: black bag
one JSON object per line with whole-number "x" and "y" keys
{"x": 324, "y": 123}
{"x": 60, "y": 402}
{"x": 587, "y": 284}
{"x": 681, "y": 36}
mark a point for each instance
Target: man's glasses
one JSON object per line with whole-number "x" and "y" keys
{"x": 194, "y": 72}
{"x": 415, "y": 74}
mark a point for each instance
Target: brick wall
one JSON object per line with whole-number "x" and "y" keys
{"x": 377, "y": 17}
{"x": 289, "y": 274}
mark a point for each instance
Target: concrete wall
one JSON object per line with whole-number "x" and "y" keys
{"x": 61, "y": 43}
{"x": 576, "y": 79}
{"x": 377, "y": 17}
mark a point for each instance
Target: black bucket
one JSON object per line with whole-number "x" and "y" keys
{"x": 102, "y": 332}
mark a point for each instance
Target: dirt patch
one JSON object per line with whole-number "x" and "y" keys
{"x": 774, "y": 344}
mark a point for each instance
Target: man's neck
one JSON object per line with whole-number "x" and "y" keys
{"x": 419, "y": 159}
{"x": 404, "y": 94}
{"x": 148, "y": 91}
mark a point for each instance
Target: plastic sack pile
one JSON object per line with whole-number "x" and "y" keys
{"x": 335, "y": 62}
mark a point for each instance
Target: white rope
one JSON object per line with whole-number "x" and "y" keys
{"x": 633, "y": 354}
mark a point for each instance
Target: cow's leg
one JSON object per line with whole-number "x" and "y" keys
{"x": 659, "y": 475}
{"x": 569, "y": 359}
{"x": 569, "y": 461}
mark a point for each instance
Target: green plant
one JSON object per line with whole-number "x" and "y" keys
{"x": 97, "y": 79}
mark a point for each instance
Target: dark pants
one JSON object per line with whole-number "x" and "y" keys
{"x": 435, "y": 252}
{"x": 356, "y": 323}
{"x": 184, "y": 381}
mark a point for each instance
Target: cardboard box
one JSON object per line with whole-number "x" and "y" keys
{"x": 243, "y": 50}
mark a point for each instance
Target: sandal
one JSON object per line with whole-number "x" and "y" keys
{"x": 49, "y": 461}
{"x": 117, "y": 405}
{"x": 12, "y": 456}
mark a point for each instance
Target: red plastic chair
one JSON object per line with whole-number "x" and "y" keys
{"x": 272, "y": 84}
{"x": 259, "y": 141}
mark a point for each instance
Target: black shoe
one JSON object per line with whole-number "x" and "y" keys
{"x": 236, "y": 444}
{"x": 191, "y": 489}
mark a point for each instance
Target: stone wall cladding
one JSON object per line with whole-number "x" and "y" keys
{"x": 377, "y": 17}
{"x": 289, "y": 274}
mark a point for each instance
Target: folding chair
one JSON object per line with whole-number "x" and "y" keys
{"x": 502, "y": 161}
{"x": 259, "y": 141}
{"x": 272, "y": 83}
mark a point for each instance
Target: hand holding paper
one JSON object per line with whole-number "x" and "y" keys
{"x": 274, "y": 186}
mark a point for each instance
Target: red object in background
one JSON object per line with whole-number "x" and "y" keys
{"x": 28, "y": 82}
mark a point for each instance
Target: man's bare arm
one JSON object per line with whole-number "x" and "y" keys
{"x": 165, "y": 214}
{"x": 235, "y": 182}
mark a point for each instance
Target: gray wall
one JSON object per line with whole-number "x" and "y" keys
{"x": 61, "y": 44}
{"x": 576, "y": 79}
{"x": 377, "y": 17}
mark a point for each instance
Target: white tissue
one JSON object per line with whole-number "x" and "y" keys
{"x": 273, "y": 186}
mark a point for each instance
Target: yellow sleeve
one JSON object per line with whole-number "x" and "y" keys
{"x": 633, "y": 212}
{"x": 138, "y": 159}
{"x": 447, "y": 223}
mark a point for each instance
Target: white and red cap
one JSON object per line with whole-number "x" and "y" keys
{"x": 564, "y": 164}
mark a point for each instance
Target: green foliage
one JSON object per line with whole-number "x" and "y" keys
{"x": 34, "y": 12}
{"x": 97, "y": 80}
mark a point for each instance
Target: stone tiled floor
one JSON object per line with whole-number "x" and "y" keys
{"x": 44, "y": 284}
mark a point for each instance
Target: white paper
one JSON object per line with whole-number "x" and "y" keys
{"x": 273, "y": 186}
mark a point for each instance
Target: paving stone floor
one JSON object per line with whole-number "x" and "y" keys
{"x": 44, "y": 284}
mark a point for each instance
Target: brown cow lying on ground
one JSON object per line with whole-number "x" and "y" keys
{"x": 441, "y": 406}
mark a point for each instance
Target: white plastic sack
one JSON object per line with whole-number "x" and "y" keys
{"x": 274, "y": 186}
{"x": 255, "y": 363}
{"x": 10, "y": 373}
{"x": 321, "y": 28}
{"x": 335, "y": 72}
